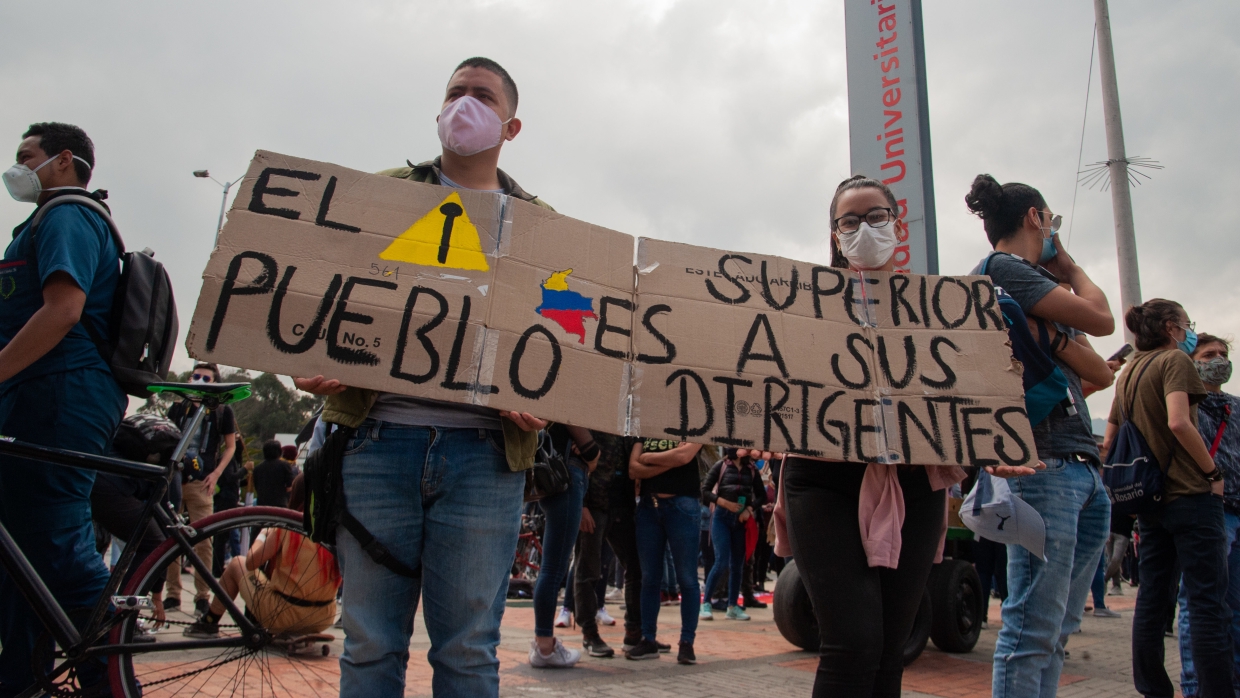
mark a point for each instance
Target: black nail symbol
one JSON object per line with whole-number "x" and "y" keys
{"x": 450, "y": 212}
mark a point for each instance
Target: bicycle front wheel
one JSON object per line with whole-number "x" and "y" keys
{"x": 282, "y": 666}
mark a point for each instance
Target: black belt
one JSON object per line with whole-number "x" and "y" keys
{"x": 302, "y": 602}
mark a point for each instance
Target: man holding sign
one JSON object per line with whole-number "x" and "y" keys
{"x": 437, "y": 484}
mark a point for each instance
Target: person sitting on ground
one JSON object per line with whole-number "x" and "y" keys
{"x": 287, "y": 582}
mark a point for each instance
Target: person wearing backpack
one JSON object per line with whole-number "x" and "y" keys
{"x": 1222, "y": 435}
{"x": 57, "y": 282}
{"x": 1159, "y": 394}
{"x": 1046, "y": 597}
{"x": 205, "y": 462}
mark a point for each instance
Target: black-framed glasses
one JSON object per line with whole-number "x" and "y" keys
{"x": 203, "y": 377}
{"x": 849, "y": 223}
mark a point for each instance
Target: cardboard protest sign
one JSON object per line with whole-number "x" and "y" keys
{"x": 759, "y": 351}
{"x": 477, "y": 298}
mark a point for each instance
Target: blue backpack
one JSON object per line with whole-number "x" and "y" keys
{"x": 1131, "y": 473}
{"x": 1046, "y": 387}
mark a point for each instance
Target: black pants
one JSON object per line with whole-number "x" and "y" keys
{"x": 1188, "y": 533}
{"x": 990, "y": 559}
{"x": 221, "y": 542}
{"x": 587, "y": 571}
{"x": 622, "y": 537}
{"x": 115, "y": 503}
{"x": 865, "y": 614}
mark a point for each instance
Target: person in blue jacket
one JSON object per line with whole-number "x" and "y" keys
{"x": 55, "y": 387}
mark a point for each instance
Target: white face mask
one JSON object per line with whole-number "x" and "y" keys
{"x": 869, "y": 247}
{"x": 468, "y": 127}
{"x": 24, "y": 185}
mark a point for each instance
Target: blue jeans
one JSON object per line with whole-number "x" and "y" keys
{"x": 444, "y": 502}
{"x": 727, "y": 535}
{"x": 1188, "y": 675}
{"x": 563, "y": 520}
{"x": 46, "y": 508}
{"x": 1045, "y": 599}
{"x": 671, "y": 522}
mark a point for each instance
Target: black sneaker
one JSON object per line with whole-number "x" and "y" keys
{"x": 719, "y": 604}
{"x": 595, "y": 647}
{"x": 686, "y": 655}
{"x": 644, "y": 650}
{"x": 171, "y": 604}
{"x": 201, "y": 607}
{"x": 751, "y": 602}
{"x": 664, "y": 648}
{"x": 203, "y": 630}
{"x": 631, "y": 641}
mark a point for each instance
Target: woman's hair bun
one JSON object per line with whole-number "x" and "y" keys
{"x": 985, "y": 198}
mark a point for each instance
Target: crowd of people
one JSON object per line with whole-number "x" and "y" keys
{"x": 435, "y": 490}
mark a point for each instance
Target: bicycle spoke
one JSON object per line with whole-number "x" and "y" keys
{"x": 270, "y": 670}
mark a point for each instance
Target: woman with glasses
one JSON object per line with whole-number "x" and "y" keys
{"x": 1159, "y": 394}
{"x": 865, "y": 589}
{"x": 1046, "y": 597}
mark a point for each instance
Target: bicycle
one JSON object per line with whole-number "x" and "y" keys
{"x": 528, "y": 558}
{"x": 246, "y": 659}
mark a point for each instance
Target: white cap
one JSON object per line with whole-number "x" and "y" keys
{"x": 993, "y": 512}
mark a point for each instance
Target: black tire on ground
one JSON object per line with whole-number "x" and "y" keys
{"x": 794, "y": 613}
{"x": 956, "y": 593}
{"x": 921, "y": 629}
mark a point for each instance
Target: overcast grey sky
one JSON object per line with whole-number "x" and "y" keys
{"x": 720, "y": 122}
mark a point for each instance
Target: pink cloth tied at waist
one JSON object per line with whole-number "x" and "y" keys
{"x": 880, "y": 511}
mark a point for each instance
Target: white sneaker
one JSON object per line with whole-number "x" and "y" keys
{"x": 615, "y": 593}
{"x": 564, "y": 618}
{"x": 1106, "y": 613}
{"x": 561, "y": 657}
{"x": 604, "y": 618}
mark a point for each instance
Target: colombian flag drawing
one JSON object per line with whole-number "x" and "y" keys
{"x": 566, "y": 308}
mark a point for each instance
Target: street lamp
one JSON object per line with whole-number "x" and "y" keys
{"x": 204, "y": 174}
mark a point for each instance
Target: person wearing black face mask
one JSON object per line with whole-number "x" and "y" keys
{"x": 1222, "y": 434}
{"x": 56, "y": 282}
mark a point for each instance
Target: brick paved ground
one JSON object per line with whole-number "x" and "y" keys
{"x": 741, "y": 659}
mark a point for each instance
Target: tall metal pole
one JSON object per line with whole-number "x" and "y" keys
{"x": 1117, "y": 161}
{"x": 224, "y": 202}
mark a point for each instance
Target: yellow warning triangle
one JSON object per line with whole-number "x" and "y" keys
{"x": 445, "y": 237}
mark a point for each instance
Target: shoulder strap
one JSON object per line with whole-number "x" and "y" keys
{"x": 986, "y": 261}
{"x": 376, "y": 550}
{"x": 1218, "y": 437}
{"x": 1124, "y": 412}
{"x": 81, "y": 201}
{"x": 97, "y": 338}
